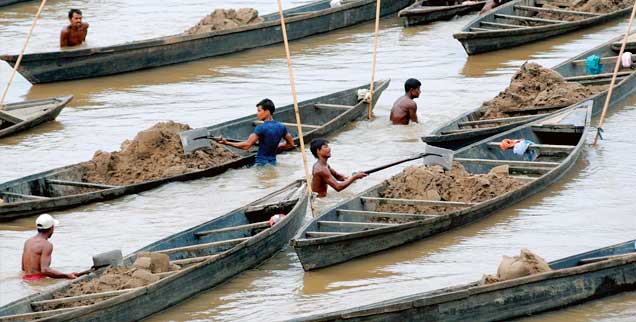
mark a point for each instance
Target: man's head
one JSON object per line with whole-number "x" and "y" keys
{"x": 75, "y": 17}
{"x": 265, "y": 109}
{"x": 45, "y": 224}
{"x": 320, "y": 148}
{"x": 412, "y": 87}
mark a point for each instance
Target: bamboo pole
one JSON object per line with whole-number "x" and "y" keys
{"x": 599, "y": 127}
{"x": 17, "y": 62}
{"x": 375, "y": 53}
{"x": 298, "y": 122}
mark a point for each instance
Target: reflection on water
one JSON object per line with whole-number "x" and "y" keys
{"x": 589, "y": 208}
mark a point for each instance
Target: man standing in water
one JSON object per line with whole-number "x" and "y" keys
{"x": 268, "y": 135}
{"x": 405, "y": 109}
{"x": 36, "y": 257}
{"x": 323, "y": 174}
{"x": 75, "y": 33}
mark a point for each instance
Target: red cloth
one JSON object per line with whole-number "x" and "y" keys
{"x": 33, "y": 277}
{"x": 508, "y": 144}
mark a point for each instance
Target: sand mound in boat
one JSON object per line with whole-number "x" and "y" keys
{"x": 222, "y": 19}
{"x": 527, "y": 263}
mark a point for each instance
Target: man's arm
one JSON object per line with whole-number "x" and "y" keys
{"x": 289, "y": 143}
{"x": 64, "y": 37}
{"x": 337, "y": 175}
{"x": 45, "y": 264}
{"x": 339, "y": 185}
{"x": 245, "y": 145}
{"x": 23, "y": 257}
{"x": 413, "y": 113}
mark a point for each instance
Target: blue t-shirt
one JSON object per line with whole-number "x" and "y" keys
{"x": 269, "y": 135}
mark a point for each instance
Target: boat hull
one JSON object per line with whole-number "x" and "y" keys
{"x": 32, "y": 122}
{"x": 419, "y": 14}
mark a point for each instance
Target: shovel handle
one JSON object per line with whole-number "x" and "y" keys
{"x": 399, "y": 162}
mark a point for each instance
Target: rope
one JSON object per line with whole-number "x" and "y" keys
{"x": 293, "y": 89}
{"x": 17, "y": 62}
{"x": 616, "y": 67}
{"x": 375, "y": 52}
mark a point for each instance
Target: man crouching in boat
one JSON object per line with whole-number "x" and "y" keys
{"x": 268, "y": 135}
{"x": 75, "y": 33}
{"x": 404, "y": 109}
{"x": 323, "y": 174}
{"x": 36, "y": 257}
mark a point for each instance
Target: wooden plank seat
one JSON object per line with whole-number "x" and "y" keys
{"x": 80, "y": 184}
{"x": 509, "y": 162}
{"x": 323, "y": 105}
{"x": 513, "y": 17}
{"x": 417, "y": 202}
{"x": 319, "y": 234}
{"x": 551, "y": 10}
{"x": 39, "y": 315}
{"x": 525, "y": 179}
{"x": 591, "y": 260}
{"x": 558, "y": 128}
{"x": 543, "y": 147}
{"x": 597, "y": 76}
{"x": 4, "y": 116}
{"x": 481, "y": 29}
{"x": 262, "y": 224}
{"x": 502, "y": 25}
{"x": 379, "y": 214}
{"x": 528, "y": 170}
{"x": 64, "y": 300}
{"x": 291, "y": 124}
{"x": 496, "y": 121}
{"x": 203, "y": 246}
{"x": 192, "y": 260}
{"x": 352, "y": 224}
{"x": 605, "y": 60}
{"x": 23, "y": 196}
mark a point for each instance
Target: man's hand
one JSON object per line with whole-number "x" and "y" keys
{"x": 71, "y": 276}
{"x": 359, "y": 175}
{"x": 221, "y": 140}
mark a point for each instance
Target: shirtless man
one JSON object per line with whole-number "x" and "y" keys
{"x": 36, "y": 257}
{"x": 405, "y": 109}
{"x": 323, "y": 174}
{"x": 75, "y": 33}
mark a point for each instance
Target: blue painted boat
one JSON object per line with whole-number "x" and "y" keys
{"x": 208, "y": 255}
{"x": 356, "y": 227}
{"x": 303, "y": 21}
{"x": 64, "y": 187}
{"x": 574, "y": 280}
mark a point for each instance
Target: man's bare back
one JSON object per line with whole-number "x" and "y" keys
{"x": 34, "y": 247}
{"x": 323, "y": 174}
{"x": 36, "y": 256}
{"x": 404, "y": 110}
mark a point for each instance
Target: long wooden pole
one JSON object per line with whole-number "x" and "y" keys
{"x": 298, "y": 122}
{"x": 375, "y": 53}
{"x": 599, "y": 127}
{"x": 17, "y": 62}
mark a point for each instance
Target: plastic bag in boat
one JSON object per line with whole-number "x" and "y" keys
{"x": 593, "y": 65}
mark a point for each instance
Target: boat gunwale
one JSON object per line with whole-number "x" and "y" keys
{"x": 414, "y": 9}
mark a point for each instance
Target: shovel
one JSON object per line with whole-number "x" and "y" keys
{"x": 197, "y": 139}
{"x": 112, "y": 258}
{"x": 432, "y": 155}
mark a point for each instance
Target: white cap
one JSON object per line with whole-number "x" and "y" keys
{"x": 46, "y": 221}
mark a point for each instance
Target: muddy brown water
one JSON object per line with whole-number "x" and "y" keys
{"x": 590, "y": 207}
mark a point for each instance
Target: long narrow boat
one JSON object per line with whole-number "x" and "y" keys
{"x": 10, "y": 2}
{"x": 20, "y": 116}
{"x": 575, "y": 279}
{"x": 303, "y": 21}
{"x": 208, "y": 254}
{"x": 426, "y": 11}
{"x": 357, "y": 227}
{"x": 469, "y": 128}
{"x": 64, "y": 188}
{"x": 515, "y": 24}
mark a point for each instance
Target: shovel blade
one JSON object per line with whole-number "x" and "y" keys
{"x": 112, "y": 258}
{"x": 190, "y": 144}
{"x": 446, "y": 159}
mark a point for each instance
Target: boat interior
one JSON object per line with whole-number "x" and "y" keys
{"x": 553, "y": 140}
{"x": 16, "y": 113}
{"x": 195, "y": 245}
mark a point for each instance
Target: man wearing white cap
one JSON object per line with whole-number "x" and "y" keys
{"x": 36, "y": 257}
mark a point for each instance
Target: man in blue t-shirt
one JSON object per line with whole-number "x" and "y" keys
{"x": 268, "y": 135}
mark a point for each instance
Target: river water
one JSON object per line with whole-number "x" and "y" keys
{"x": 590, "y": 207}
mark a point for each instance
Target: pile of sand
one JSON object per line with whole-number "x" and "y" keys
{"x": 593, "y": 6}
{"x": 154, "y": 153}
{"x": 435, "y": 183}
{"x": 221, "y": 19}
{"x": 527, "y": 263}
{"x": 144, "y": 271}
{"x": 535, "y": 86}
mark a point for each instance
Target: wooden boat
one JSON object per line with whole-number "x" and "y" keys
{"x": 502, "y": 27}
{"x": 311, "y": 19}
{"x": 16, "y": 117}
{"x": 10, "y": 2}
{"x": 63, "y": 187}
{"x": 209, "y": 254}
{"x": 356, "y": 228}
{"x": 468, "y": 128}
{"x": 575, "y": 279}
{"x": 425, "y": 11}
